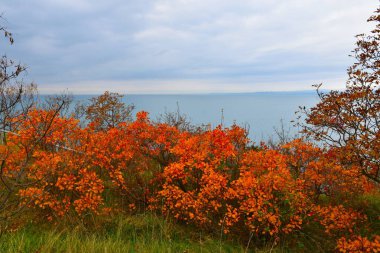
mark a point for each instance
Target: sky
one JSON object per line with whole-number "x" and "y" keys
{"x": 184, "y": 46}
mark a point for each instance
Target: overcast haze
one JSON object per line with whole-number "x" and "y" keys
{"x": 184, "y": 46}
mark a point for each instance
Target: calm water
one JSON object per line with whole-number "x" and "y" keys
{"x": 261, "y": 111}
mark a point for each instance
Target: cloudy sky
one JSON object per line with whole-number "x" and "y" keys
{"x": 184, "y": 46}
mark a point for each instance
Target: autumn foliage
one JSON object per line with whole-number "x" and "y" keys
{"x": 359, "y": 244}
{"x": 214, "y": 179}
{"x": 349, "y": 120}
{"x": 54, "y": 167}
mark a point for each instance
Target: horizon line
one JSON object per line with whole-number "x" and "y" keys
{"x": 190, "y": 93}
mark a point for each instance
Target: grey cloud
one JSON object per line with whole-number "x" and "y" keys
{"x": 257, "y": 42}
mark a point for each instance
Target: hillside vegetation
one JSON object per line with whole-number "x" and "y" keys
{"x": 97, "y": 179}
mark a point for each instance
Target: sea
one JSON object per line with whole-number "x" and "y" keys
{"x": 260, "y": 113}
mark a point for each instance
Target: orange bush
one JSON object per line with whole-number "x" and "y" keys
{"x": 212, "y": 179}
{"x": 359, "y": 244}
{"x": 323, "y": 172}
{"x": 48, "y": 165}
{"x": 132, "y": 156}
{"x": 337, "y": 219}
{"x": 268, "y": 200}
{"x": 196, "y": 184}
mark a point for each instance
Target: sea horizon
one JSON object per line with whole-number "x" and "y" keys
{"x": 260, "y": 112}
{"x": 195, "y": 93}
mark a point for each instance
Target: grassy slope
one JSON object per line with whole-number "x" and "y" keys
{"x": 143, "y": 233}
{"x": 151, "y": 233}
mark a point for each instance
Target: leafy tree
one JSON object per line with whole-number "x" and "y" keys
{"x": 350, "y": 120}
{"x": 107, "y": 111}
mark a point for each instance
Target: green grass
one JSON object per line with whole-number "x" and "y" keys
{"x": 152, "y": 233}
{"x": 143, "y": 233}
